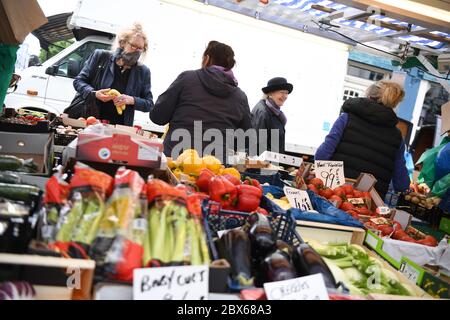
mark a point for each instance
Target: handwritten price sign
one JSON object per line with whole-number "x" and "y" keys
{"x": 298, "y": 199}
{"x": 331, "y": 173}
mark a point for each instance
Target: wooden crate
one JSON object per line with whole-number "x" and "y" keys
{"x": 419, "y": 292}
{"x": 31, "y": 264}
{"x": 332, "y": 233}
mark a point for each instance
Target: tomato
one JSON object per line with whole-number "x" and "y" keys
{"x": 364, "y": 211}
{"x": 91, "y": 120}
{"x": 431, "y": 240}
{"x": 317, "y": 182}
{"x": 339, "y": 191}
{"x": 398, "y": 234}
{"x": 385, "y": 229}
{"x": 326, "y": 193}
{"x": 347, "y": 206}
{"x": 336, "y": 199}
{"x": 407, "y": 239}
{"x": 349, "y": 196}
{"x": 354, "y": 214}
{"x": 348, "y": 189}
{"x": 367, "y": 194}
{"x": 313, "y": 188}
{"x": 358, "y": 194}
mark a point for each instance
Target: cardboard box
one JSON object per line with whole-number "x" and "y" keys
{"x": 18, "y": 18}
{"x": 111, "y": 169}
{"x": 31, "y": 145}
{"x": 394, "y": 250}
{"x": 133, "y": 150}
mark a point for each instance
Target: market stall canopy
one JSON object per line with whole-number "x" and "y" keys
{"x": 412, "y": 33}
{"x": 54, "y": 30}
{"x": 399, "y": 28}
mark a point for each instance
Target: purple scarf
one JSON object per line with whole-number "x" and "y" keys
{"x": 229, "y": 73}
{"x": 276, "y": 110}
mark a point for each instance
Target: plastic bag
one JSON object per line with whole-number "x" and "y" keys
{"x": 442, "y": 163}
{"x": 441, "y": 186}
{"x": 115, "y": 249}
{"x": 327, "y": 212}
{"x": 428, "y": 158}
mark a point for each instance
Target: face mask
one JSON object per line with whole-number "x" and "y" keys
{"x": 129, "y": 58}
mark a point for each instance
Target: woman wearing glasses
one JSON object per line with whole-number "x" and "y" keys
{"x": 120, "y": 71}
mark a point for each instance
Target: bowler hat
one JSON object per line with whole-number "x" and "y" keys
{"x": 276, "y": 84}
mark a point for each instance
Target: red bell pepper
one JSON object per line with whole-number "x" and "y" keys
{"x": 249, "y": 198}
{"x": 262, "y": 211}
{"x": 233, "y": 179}
{"x": 223, "y": 191}
{"x": 203, "y": 180}
{"x": 253, "y": 182}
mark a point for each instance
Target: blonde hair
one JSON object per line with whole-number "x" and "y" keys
{"x": 388, "y": 93}
{"x": 129, "y": 33}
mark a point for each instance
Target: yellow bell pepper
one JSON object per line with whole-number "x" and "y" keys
{"x": 212, "y": 163}
{"x": 171, "y": 164}
{"x": 186, "y": 153}
{"x": 192, "y": 165}
{"x": 231, "y": 171}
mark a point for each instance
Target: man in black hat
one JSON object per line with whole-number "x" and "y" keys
{"x": 267, "y": 115}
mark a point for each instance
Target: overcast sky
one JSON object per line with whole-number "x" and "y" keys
{"x": 50, "y": 7}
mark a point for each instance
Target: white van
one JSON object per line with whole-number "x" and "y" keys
{"x": 179, "y": 31}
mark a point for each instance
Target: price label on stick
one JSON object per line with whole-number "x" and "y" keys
{"x": 330, "y": 172}
{"x": 298, "y": 199}
{"x": 411, "y": 270}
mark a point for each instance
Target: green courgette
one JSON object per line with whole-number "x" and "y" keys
{"x": 18, "y": 192}
{"x": 9, "y": 177}
{"x": 10, "y": 163}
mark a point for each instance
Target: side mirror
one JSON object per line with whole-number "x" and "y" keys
{"x": 52, "y": 71}
{"x": 73, "y": 68}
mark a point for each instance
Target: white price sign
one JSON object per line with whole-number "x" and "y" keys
{"x": 330, "y": 172}
{"x": 298, "y": 199}
{"x": 304, "y": 288}
{"x": 171, "y": 283}
{"x": 410, "y": 272}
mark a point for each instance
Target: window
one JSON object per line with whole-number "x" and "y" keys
{"x": 348, "y": 93}
{"x": 80, "y": 55}
{"x": 364, "y": 73}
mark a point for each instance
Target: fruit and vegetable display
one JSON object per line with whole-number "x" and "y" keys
{"x": 25, "y": 117}
{"x": 15, "y": 164}
{"x": 258, "y": 256}
{"x": 423, "y": 200}
{"x": 230, "y": 192}
{"x": 123, "y": 223}
{"x": 67, "y": 130}
{"x": 361, "y": 273}
{"x": 354, "y": 202}
{"x": 189, "y": 164}
{"x": 392, "y": 229}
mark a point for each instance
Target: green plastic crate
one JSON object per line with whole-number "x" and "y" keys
{"x": 445, "y": 225}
